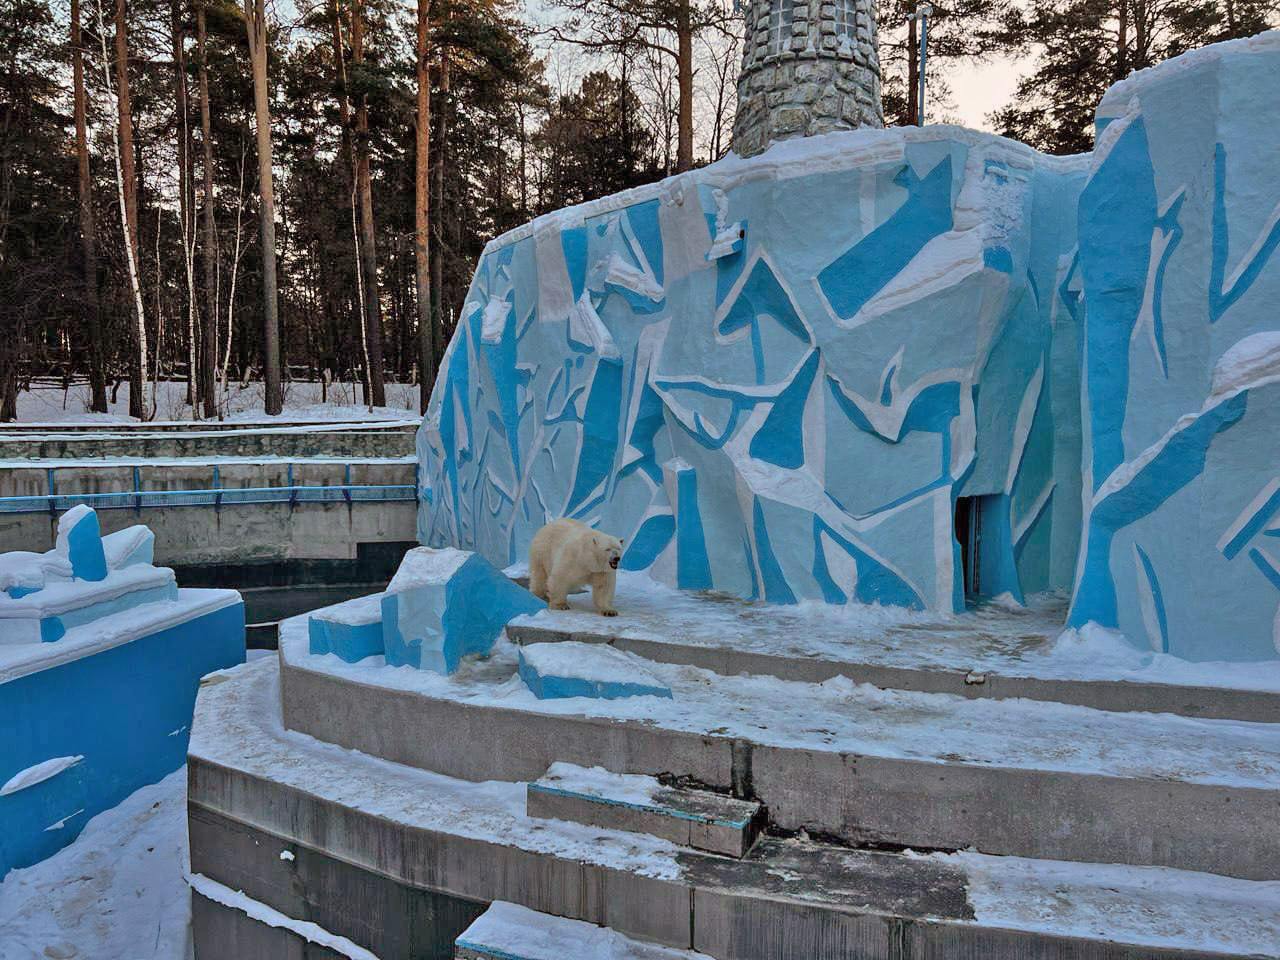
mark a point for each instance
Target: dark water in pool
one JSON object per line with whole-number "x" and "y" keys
{"x": 265, "y": 607}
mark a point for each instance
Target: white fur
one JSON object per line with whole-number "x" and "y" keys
{"x": 566, "y": 555}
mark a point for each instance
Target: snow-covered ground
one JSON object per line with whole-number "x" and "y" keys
{"x": 1001, "y": 638}
{"x": 117, "y": 892}
{"x": 50, "y": 404}
{"x": 859, "y": 718}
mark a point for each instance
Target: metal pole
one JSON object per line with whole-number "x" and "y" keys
{"x": 923, "y": 12}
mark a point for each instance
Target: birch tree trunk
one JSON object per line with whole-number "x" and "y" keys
{"x": 421, "y": 211}
{"x": 186, "y": 199}
{"x": 256, "y": 25}
{"x": 368, "y": 248}
{"x": 128, "y": 187}
{"x": 209, "y": 245}
{"x": 88, "y": 233}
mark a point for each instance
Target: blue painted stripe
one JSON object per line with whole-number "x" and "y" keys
{"x": 1263, "y": 563}
{"x": 1254, "y": 526}
{"x": 1156, "y": 596}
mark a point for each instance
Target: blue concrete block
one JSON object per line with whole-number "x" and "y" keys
{"x": 126, "y": 711}
{"x": 445, "y": 604}
{"x": 80, "y": 540}
{"x": 555, "y": 671}
{"x": 350, "y": 630}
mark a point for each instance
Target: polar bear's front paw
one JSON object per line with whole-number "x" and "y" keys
{"x": 559, "y": 604}
{"x": 609, "y": 612}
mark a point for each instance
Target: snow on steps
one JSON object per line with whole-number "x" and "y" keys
{"x": 791, "y": 899}
{"x": 845, "y": 760}
{"x": 992, "y": 653}
{"x": 639, "y": 804}
{"x": 508, "y": 931}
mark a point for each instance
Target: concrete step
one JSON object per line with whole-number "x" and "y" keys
{"x": 866, "y": 766}
{"x": 993, "y": 652}
{"x": 508, "y": 931}
{"x": 638, "y": 804}
{"x": 401, "y": 861}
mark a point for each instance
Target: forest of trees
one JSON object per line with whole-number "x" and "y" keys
{"x": 212, "y": 191}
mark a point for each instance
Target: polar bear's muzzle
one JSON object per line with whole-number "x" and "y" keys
{"x": 613, "y": 563}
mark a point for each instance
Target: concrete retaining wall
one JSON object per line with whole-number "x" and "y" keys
{"x": 244, "y": 533}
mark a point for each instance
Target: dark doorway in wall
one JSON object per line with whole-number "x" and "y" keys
{"x": 968, "y": 517}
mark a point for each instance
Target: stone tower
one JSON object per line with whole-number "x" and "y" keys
{"x": 808, "y": 67}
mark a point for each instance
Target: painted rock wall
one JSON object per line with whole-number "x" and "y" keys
{"x": 1179, "y": 227}
{"x": 775, "y": 377}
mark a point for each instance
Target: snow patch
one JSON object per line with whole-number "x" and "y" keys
{"x": 312, "y": 932}
{"x": 424, "y": 565}
{"x": 1152, "y": 906}
{"x": 38, "y": 773}
{"x": 494, "y": 321}
{"x": 510, "y": 930}
{"x": 633, "y": 788}
{"x": 1249, "y": 363}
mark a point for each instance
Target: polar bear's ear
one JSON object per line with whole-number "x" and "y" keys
{"x": 595, "y": 539}
{"x": 621, "y": 541}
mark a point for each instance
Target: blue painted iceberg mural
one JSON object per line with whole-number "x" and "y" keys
{"x": 777, "y": 377}
{"x": 907, "y": 366}
{"x": 1179, "y": 229}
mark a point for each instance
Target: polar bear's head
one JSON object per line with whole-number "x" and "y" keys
{"x": 607, "y": 551}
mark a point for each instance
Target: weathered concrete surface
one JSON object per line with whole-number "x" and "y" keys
{"x": 690, "y": 818}
{"x": 788, "y": 900}
{"x": 1116, "y": 695}
{"x": 311, "y": 440}
{"x": 389, "y": 918}
{"x": 231, "y": 533}
{"x": 223, "y": 933}
{"x": 1050, "y": 814}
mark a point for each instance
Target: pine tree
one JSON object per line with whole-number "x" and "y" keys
{"x": 1084, "y": 46}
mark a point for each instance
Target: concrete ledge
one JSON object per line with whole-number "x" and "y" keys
{"x": 690, "y": 818}
{"x": 787, "y": 901}
{"x": 1215, "y": 703}
{"x": 1048, "y": 814}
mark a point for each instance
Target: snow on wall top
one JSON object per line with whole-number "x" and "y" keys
{"x": 1116, "y": 99}
{"x": 824, "y": 153}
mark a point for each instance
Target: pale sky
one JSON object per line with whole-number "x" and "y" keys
{"x": 979, "y": 88}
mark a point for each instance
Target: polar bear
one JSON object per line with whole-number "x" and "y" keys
{"x": 566, "y": 555}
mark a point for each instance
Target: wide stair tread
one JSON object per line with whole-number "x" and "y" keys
{"x": 992, "y": 653}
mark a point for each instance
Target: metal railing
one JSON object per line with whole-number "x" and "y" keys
{"x": 215, "y": 495}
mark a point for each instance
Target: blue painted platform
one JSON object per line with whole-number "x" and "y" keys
{"x": 122, "y": 700}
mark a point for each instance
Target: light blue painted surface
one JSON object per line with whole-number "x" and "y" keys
{"x": 1179, "y": 227}
{"x": 351, "y": 642}
{"x": 432, "y": 626}
{"x": 127, "y": 710}
{"x": 552, "y": 687}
